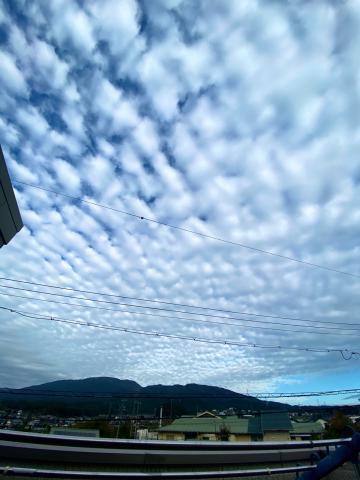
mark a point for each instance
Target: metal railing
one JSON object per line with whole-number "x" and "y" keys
{"x": 65, "y": 474}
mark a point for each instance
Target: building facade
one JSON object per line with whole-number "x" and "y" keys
{"x": 268, "y": 427}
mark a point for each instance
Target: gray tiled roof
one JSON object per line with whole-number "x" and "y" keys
{"x": 208, "y": 425}
{"x": 307, "y": 427}
{"x": 256, "y": 425}
{"x": 275, "y": 421}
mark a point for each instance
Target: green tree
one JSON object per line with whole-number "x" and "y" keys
{"x": 124, "y": 430}
{"x": 104, "y": 427}
{"x": 223, "y": 434}
{"x": 339, "y": 426}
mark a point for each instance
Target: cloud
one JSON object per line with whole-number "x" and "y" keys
{"x": 116, "y": 112}
{"x": 67, "y": 175}
{"x": 33, "y": 122}
{"x": 9, "y": 133}
{"x": 71, "y": 27}
{"x": 238, "y": 120}
{"x": 74, "y": 120}
{"x": 99, "y": 172}
{"x": 12, "y": 79}
{"x": 161, "y": 85}
{"x": 115, "y": 22}
{"x": 52, "y": 70}
{"x": 146, "y": 137}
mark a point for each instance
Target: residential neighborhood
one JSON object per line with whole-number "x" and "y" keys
{"x": 204, "y": 426}
{"x": 262, "y": 427}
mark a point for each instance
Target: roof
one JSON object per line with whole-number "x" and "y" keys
{"x": 265, "y": 422}
{"x": 208, "y": 425}
{"x": 307, "y": 427}
{"x": 75, "y": 432}
{"x": 207, "y": 414}
{"x": 10, "y": 218}
{"x": 254, "y": 426}
{"x": 275, "y": 421}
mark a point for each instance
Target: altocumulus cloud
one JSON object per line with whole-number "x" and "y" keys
{"x": 236, "y": 119}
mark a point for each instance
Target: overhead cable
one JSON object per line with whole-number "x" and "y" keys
{"x": 194, "y": 307}
{"x": 209, "y": 322}
{"x": 173, "y": 396}
{"x": 146, "y": 307}
{"x": 345, "y": 353}
{"x": 193, "y": 232}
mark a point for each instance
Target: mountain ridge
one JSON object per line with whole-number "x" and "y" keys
{"x": 104, "y": 393}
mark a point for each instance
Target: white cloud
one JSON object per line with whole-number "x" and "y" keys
{"x": 9, "y": 133}
{"x": 146, "y": 137}
{"x": 238, "y": 120}
{"x": 51, "y": 69}
{"x": 21, "y": 172}
{"x": 162, "y": 86}
{"x": 70, "y": 25}
{"x": 74, "y": 120}
{"x": 116, "y": 22}
{"x": 71, "y": 93}
{"x": 33, "y": 122}
{"x": 67, "y": 176}
{"x": 11, "y": 77}
{"x": 18, "y": 43}
{"x": 116, "y": 112}
{"x": 98, "y": 172}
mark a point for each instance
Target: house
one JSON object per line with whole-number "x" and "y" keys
{"x": 274, "y": 426}
{"x": 306, "y": 430}
{"x": 270, "y": 427}
{"x": 73, "y": 432}
{"x": 206, "y": 426}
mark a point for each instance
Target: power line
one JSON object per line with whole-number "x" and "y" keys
{"x": 195, "y": 307}
{"x": 178, "y": 311}
{"x": 196, "y": 320}
{"x": 345, "y": 353}
{"x": 193, "y": 420}
{"x": 193, "y": 232}
{"x": 174, "y": 396}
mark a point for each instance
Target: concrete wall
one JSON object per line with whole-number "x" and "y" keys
{"x": 203, "y": 436}
{"x": 171, "y": 436}
{"x": 206, "y": 436}
{"x": 240, "y": 437}
{"x": 276, "y": 436}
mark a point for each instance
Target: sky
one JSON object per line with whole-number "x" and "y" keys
{"x": 236, "y": 119}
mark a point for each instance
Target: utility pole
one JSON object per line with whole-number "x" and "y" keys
{"x": 161, "y": 414}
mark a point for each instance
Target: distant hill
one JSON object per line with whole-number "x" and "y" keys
{"x": 95, "y": 395}
{"x": 92, "y": 384}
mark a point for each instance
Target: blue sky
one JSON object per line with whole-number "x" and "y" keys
{"x": 238, "y": 119}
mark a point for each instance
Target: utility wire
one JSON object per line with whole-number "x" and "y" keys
{"x": 193, "y": 232}
{"x": 194, "y": 307}
{"x": 173, "y": 396}
{"x": 145, "y": 307}
{"x": 345, "y": 353}
{"x": 193, "y": 420}
{"x": 196, "y": 320}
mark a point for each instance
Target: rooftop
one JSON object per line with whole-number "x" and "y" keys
{"x": 256, "y": 425}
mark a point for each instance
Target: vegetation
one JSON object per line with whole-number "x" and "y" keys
{"x": 175, "y": 399}
{"x": 223, "y": 434}
{"x": 339, "y": 426}
{"x": 104, "y": 427}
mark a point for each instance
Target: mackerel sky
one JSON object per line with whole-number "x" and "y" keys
{"x": 239, "y": 119}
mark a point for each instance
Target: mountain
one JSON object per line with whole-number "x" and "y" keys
{"x": 92, "y": 384}
{"x": 95, "y": 395}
